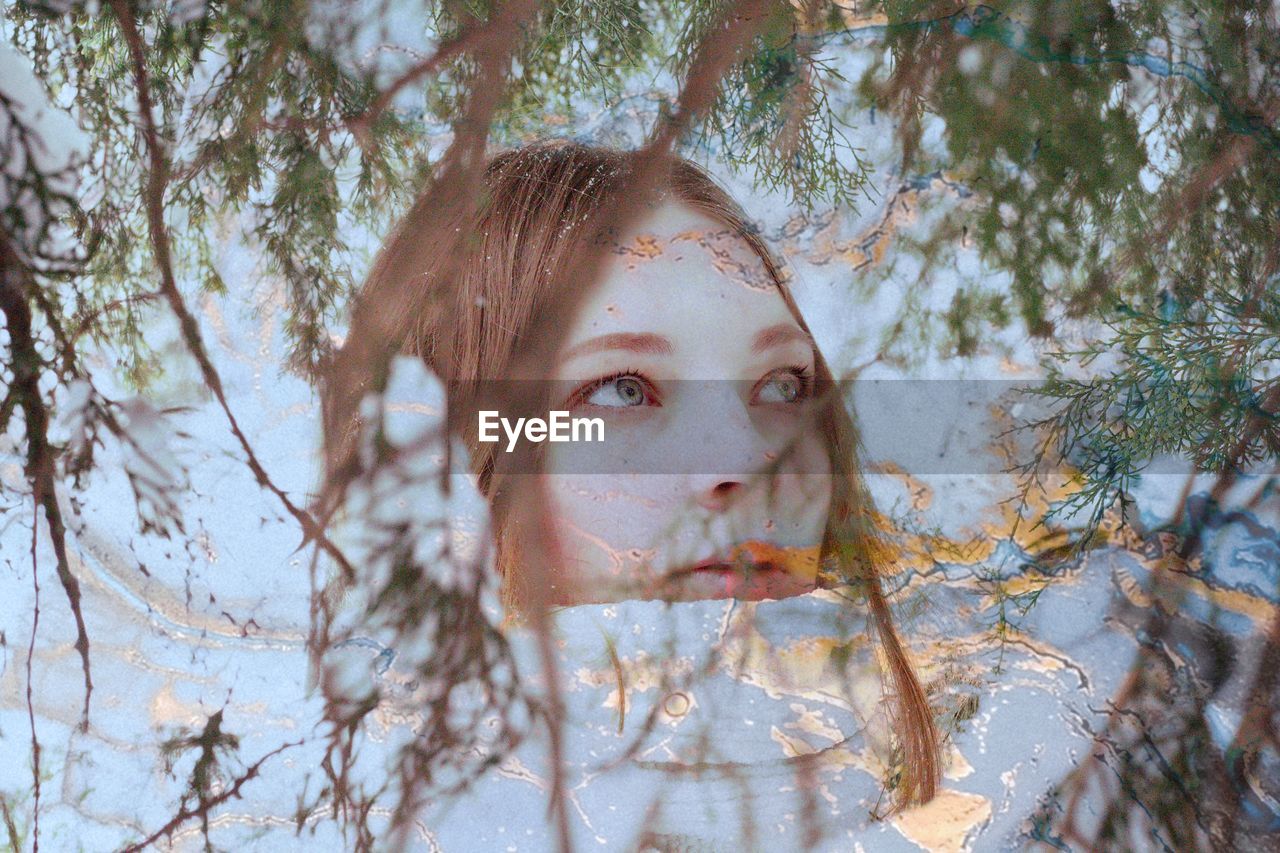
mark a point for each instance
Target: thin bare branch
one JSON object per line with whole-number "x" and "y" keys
{"x": 202, "y": 810}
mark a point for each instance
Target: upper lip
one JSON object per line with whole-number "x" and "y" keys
{"x": 720, "y": 563}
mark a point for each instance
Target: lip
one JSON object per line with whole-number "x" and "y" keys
{"x": 752, "y": 571}
{"x": 716, "y": 564}
{"x": 755, "y": 554}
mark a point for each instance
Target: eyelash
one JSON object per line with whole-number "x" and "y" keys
{"x": 803, "y": 372}
{"x": 582, "y": 394}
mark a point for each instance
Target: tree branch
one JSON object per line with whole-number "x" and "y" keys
{"x": 25, "y": 361}
{"x": 202, "y": 811}
{"x": 157, "y": 182}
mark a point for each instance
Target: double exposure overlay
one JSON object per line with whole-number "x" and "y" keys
{"x": 639, "y": 425}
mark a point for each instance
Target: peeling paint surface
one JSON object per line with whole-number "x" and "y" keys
{"x": 722, "y": 725}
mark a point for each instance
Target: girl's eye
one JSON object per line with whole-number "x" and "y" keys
{"x": 788, "y": 385}
{"x": 618, "y": 392}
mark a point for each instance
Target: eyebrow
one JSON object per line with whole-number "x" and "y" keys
{"x": 777, "y": 335}
{"x": 643, "y": 344}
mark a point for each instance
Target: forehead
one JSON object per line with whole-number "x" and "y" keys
{"x": 676, "y": 263}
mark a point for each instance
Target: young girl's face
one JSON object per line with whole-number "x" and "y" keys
{"x": 712, "y": 480}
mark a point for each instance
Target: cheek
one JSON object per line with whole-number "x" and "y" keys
{"x": 602, "y": 522}
{"x": 805, "y": 491}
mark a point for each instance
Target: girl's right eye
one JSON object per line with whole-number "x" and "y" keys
{"x": 620, "y": 391}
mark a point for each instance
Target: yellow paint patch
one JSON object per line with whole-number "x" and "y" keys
{"x": 792, "y": 747}
{"x": 801, "y": 562}
{"x": 958, "y": 766}
{"x": 921, "y": 493}
{"x": 944, "y": 824}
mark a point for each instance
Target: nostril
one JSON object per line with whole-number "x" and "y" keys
{"x": 720, "y": 496}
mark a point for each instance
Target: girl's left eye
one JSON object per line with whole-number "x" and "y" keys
{"x": 786, "y": 385}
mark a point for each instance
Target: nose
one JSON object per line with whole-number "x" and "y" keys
{"x": 719, "y": 494}
{"x": 724, "y": 450}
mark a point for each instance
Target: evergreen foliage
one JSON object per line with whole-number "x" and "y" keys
{"x": 1120, "y": 166}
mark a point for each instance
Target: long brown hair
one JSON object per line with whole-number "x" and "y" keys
{"x": 540, "y": 207}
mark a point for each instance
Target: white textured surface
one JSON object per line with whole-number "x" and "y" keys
{"x": 216, "y": 617}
